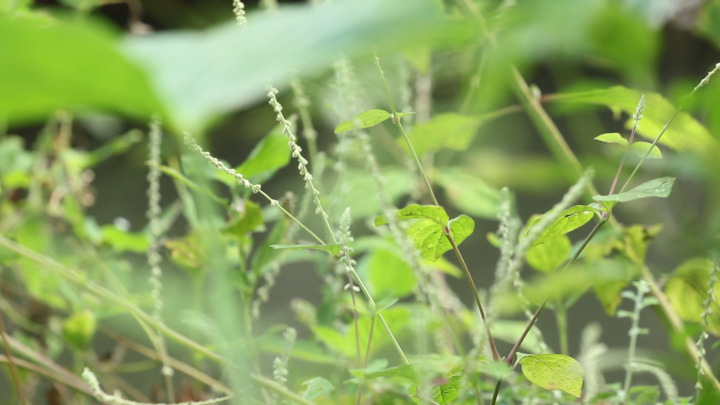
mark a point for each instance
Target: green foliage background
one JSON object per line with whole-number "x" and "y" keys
{"x": 78, "y": 90}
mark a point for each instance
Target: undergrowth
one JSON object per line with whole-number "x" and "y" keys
{"x": 385, "y": 322}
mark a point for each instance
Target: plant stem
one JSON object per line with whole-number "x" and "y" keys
{"x": 446, "y": 228}
{"x": 11, "y": 364}
{"x": 397, "y": 122}
{"x": 493, "y": 348}
{"x": 561, "y": 319}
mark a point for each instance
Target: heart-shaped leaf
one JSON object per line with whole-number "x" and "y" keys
{"x": 554, "y": 372}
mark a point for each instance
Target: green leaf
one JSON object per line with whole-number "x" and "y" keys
{"x": 429, "y": 236}
{"x": 177, "y": 175}
{"x": 366, "y": 119}
{"x": 686, "y": 133}
{"x": 571, "y": 219}
{"x": 203, "y": 74}
{"x": 414, "y": 211}
{"x": 79, "y": 329}
{"x": 87, "y": 71}
{"x": 687, "y": 289}
{"x": 405, "y": 371}
{"x": 612, "y": 137}
{"x": 362, "y": 196}
{"x": 271, "y": 154}
{"x": 638, "y": 147}
{"x": 549, "y": 256}
{"x": 390, "y": 275}
{"x": 654, "y": 188}
{"x": 250, "y": 219}
{"x": 443, "y": 131}
{"x": 641, "y": 149}
{"x": 428, "y": 233}
{"x": 334, "y": 249}
{"x": 344, "y": 342}
{"x": 468, "y": 192}
{"x": 554, "y": 372}
{"x": 124, "y": 241}
{"x": 445, "y": 394}
{"x": 316, "y": 387}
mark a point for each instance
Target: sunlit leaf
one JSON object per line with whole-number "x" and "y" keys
{"x": 79, "y": 329}
{"x": 390, "y": 275}
{"x": 660, "y": 187}
{"x": 612, "y": 137}
{"x": 443, "y": 131}
{"x": 317, "y": 387}
{"x": 429, "y": 236}
{"x": 87, "y": 70}
{"x": 271, "y": 154}
{"x": 571, "y": 219}
{"x": 121, "y": 240}
{"x": 203, "y": 74}
{"x": 366, "y": 119}
{"x": 685, "y": 133}
{"x": 334, "y": 249}
{"x": 250, "y": 219}
{"x": 550, "y": 255}
{"x": 447, "y": 393}
{"x": 415, "y": 211}
{"x": 554, "y": 372}
{"x": 469, "y": 193}
{"x": 687, "y": 289}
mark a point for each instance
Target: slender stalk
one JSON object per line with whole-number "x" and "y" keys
{"x": 493, "y": 348}
{"x": 397, "y": 122}
{"x": 11, "y": 364}
{"x": 446, "y": 229}
{"x": 561, "y": 320}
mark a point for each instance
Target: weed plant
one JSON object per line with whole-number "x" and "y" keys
{"x": 85, "y": 318}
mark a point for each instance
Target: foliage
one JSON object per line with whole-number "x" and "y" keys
{"x": 391, "y": 101}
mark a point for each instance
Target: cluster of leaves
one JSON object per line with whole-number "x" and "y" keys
{"x": 386, "y": 327}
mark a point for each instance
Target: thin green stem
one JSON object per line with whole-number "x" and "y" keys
{"x": 11, "y": 364}
{"x": 493, "y": 348}
{"x": 397, "y": 122}
{"x": 561, "y": 319}
{"x": 448, "y": 234}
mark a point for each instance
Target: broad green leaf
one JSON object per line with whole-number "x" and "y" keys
{"x": 344, "y": 342}
{"x": 571, "y": 219}
{"x": 405, "y": 371}
{"x": 638, "y": 147}
{"x": 79, "y": 329}
{"x": 685, "y": 133}
{"x": 429, "y": 236}
{"x": 15, "y": 162}
{"x": 554, "y": 372}
{"x": 250, "y": 219}
{"x": 549, "y": 256}
{"x": 316, "y": 387}
{"x": 443, "y": 131}
{"x": 612, "y": 137}
{"x": 660, "y": 187}
{"x": 203, "y": 74}
{"x": 447, "y": 393}
{"x": 687, "y": 289}
{"x": 469, "y": 193}
{"x": 177, "y": 175}
{"x": 271, "y": 154}
{"x": 74, "y": 65}
{"x": 124, "y": 241}
{"x": 366, "y": 119}
{"x": 334, "y": 249}
{"x": 414, "y": 211}
{"x": 362, "y": 197}
{"x": 390, "y": 275}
